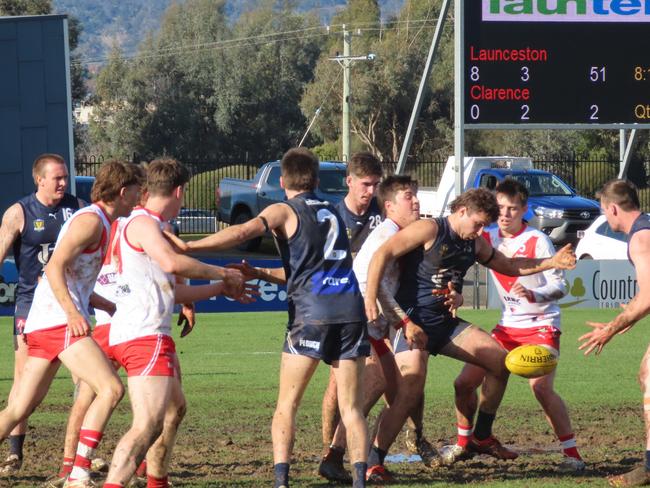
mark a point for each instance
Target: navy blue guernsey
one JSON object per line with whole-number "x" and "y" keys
{"x": 642, "y": 222}
{"x": 321, "y": 286}
{"x": 422, "y": 270}
{"x": 32, "y": 249}
{"x": 359, "y": 226}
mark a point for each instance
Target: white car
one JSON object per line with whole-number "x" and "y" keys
{"x": 601, "y": 242}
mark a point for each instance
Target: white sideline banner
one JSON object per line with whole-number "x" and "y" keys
{"x": 592, "y": 284}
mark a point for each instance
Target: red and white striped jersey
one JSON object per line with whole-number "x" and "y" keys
{"x": 144, "y": 292}
{"x": 80, "y": 276}
{"x": 547, "y": 287}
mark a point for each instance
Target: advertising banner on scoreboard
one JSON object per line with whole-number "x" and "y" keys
{"x": 272, "y": 297}
{"x": 592, "y": 284}
{"x": 559, "y": 63}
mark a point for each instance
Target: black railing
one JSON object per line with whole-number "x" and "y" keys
{"x": 586, "y": 176}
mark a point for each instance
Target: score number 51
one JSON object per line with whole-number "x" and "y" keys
{"x": 597, "y": 74}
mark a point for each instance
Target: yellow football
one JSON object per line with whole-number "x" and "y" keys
{"x": 531, "y": 361}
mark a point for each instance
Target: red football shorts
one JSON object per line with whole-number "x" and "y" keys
{"x": 153, "y": 355}
{"x": 49, "y": 343}
{"x": 511, "y": 337}
{"x": 100, "y": 334}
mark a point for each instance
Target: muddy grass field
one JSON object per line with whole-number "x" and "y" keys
{"x": 230, "y": 371}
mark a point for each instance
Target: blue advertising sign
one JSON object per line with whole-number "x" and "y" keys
{"x": 272, "y": 297}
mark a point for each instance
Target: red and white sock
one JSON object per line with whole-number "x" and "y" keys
{"x": 157, "y": 482}
{"x": 66, "y": 467}
{"x": 142, "y": 469}
{"x": 464, "y": 434}
{"x": 569, "y": 446}
{"x": 88, "y": 442}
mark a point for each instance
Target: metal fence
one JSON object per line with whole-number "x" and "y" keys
{"x": 586, "y": 176}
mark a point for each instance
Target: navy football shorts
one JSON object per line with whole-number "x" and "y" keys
{"x": 329, "y": 342}
{"x": 440, "y": 328}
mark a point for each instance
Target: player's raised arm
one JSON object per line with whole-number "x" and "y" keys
{"x": 272, "y": 275}
{"x": 275, "y": 217}
{"x": 85, "y": 232}
{"x": 638, "y": 307}
{"x": 416, "y": 234}
{"x": 486, "y": 255}
{"x": 555, "y": 287}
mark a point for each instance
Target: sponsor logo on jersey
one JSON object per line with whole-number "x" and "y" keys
{"x": 334, "y": 282}
{"x": 122, "y": 290}
{"x": 39, "y": 225}
{"x": 45, "y": 253}
{"x": 106, "y": 278}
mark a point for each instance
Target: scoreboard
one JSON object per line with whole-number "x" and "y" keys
{"x": 557, "y": 62}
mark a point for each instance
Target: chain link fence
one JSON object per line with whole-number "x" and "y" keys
{"x": 585, "y": 175}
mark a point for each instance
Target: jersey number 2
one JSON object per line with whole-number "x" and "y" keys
{"x": 329, "y": 252}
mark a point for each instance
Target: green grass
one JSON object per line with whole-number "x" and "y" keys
{"x": 230, "y": 372}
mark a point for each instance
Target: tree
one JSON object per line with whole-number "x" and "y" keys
{"x": 201, "y": 88}
{"x": 158, "y": 102}
{"x": 383, "y": 92}
{"x": 25, "y": 7}
{"x": 257, "y": 99}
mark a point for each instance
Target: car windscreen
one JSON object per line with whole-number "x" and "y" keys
{"x": 332, "y": 181}
{"x": 541, "y": 184}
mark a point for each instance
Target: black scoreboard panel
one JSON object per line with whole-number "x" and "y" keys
{"x": 556, "y": 72}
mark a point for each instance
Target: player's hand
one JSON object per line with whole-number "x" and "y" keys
{"x": 249, "y": 272}
{"x": 415, "y": 335}
{"x": 454, "y": 299}
{"x": 378, "y": 329}
{"x": 565, "y": 258}
{"x": 520, "y": 291}
{"x": 187, "y": 318}
{"x": 597, "y": 338}
{"x": 77, "y": 324}
{"x": 372, "y": 311}
{"x": 178, "y": 244}
{"x": 248, "y": 295}
{"x": 233, "y": 282}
